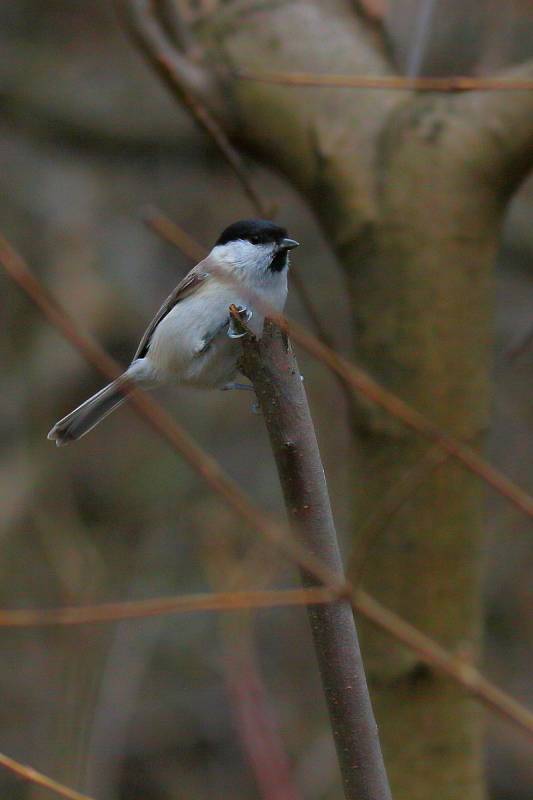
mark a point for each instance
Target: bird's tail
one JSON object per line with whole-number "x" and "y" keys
{"x": 84, "y": 418}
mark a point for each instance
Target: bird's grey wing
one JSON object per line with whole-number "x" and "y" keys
{"x": 190, "y": 284}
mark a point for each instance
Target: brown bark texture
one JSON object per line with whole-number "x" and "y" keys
{"x": 410, "y": 190}
{"x": 271, "y": 366}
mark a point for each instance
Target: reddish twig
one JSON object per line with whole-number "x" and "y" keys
{"x": 178, "y": 30}
{"x": 257, "y": 729}
{"x": 157, "y": 606}
{"x": 455, "y": 83}
{"x": 38, "y": 779}
{"x": 160, "y": 420}
{"x": 428, "y": 651}
{"x": 174, "y": 234}
{"x": 309, "y": 308}
{"x": 362, "y": 383}
{"x": 393, "y": 501}
{"x": 183, "y": 78}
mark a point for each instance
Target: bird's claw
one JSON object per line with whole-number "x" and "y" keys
{"x": 246, "y": 315}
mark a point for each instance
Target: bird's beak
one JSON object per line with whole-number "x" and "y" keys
{"x": 288, "y": 244}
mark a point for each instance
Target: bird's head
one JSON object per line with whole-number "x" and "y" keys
{"x": 255, "y": 244}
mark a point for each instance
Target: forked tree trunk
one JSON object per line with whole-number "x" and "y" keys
{"x": 410, "y": 191}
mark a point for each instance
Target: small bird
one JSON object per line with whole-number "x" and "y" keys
{"x": 192, "y": 338}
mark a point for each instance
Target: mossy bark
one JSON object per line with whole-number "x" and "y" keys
{"x": 410, "y": 191}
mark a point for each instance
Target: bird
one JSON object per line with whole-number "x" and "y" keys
{"x": 191, "y": 341}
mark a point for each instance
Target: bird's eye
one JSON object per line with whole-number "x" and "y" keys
{"x": 255, "y": 239}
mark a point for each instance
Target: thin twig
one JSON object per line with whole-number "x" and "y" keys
{"x": 158, "y": 606}
{"x": 457, "y": 83}
{"x": 161, "y": 421}
{"x": 181, "y": 76}
{"x": 271, "y": 366}
{"x": 38, "y": 779}
{"x": 362, "y": 383}
{"x": 430, "y": 652}
{"x": 178, "y": 30}
{"x": 393, "y": 501}
{"x": 173, "y": 233}
{"x": 427, "y": 650}
{"x": 309, "y": 307}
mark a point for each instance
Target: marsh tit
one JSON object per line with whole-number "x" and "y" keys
{"x": 191, "y": 340}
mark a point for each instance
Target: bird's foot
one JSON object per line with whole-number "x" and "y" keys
{"x": 246, "y": 315}
{"x": 243, "y": 386}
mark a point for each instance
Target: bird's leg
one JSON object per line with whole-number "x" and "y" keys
{"x": 243, "y": 386}
{"x": 246, "y": 315}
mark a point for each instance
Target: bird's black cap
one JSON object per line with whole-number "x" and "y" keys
{"x": 257, "y": 231}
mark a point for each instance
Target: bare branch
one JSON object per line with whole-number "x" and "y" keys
{"x": 163, "y": 423}
{"x": 192, "y": 85}
{"x": 271, "y": 366}
{"x": 499, "y": 107}
{"x": 362, "y": 383}
{"x": 177, "y": 28}
{"x": 430, "y": 652}
{"x": 392, "y": 502}
{"x": 159, "y": 606}
{"x": 427, "y": 650}
{"x": 455, "y": 83}
{"x": 38, "y": 779}
{"x": 309, "y": 308}
{"x": 185, "y": 78}
{"x": 173, "y": 233}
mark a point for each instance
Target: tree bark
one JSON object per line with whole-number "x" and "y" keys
{"x": 410, "y": 190}
{"x": 271, "y": 366}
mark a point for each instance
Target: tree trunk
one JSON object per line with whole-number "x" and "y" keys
{"x": 409, "y": 189}
{"x": 422, "y": 300}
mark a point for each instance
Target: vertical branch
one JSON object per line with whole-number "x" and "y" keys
{"x": 271, "y": 366}
{"x": 187, "y": 81}
{"x": 177, "y": 29}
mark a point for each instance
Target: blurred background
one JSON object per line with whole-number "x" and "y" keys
{"x": 147, "y": 709}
